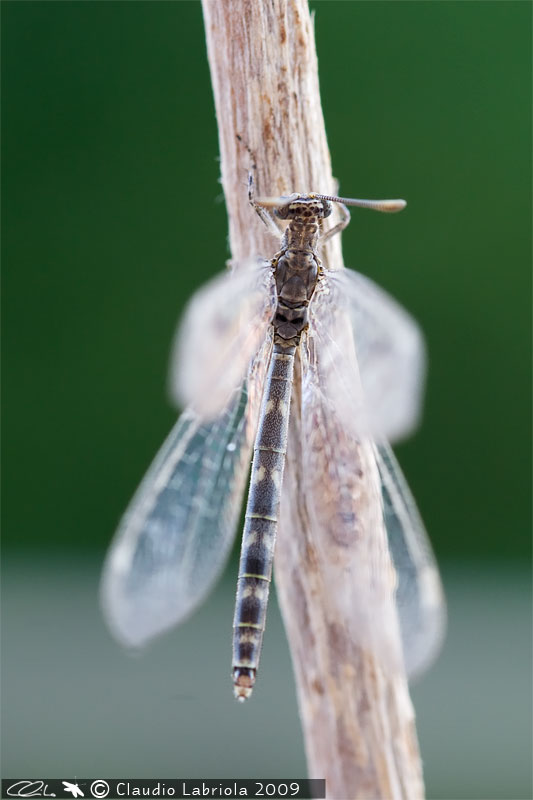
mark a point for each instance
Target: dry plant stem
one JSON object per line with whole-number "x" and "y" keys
{"x": 358, "y": 721}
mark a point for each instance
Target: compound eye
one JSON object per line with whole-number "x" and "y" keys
{"x": 282, "y": 212}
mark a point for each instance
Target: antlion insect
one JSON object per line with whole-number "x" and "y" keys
{"x": 233, "y": 370}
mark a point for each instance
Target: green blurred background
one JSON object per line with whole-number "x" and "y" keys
{"x": 110, "y": 170}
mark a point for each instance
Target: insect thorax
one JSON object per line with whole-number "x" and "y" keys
{"x": 296, "y": 271}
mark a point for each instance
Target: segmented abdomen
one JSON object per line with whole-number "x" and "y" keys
{"x": 259, "y": 537}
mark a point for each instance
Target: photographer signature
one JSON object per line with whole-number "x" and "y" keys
{"x": 29, "y": 789}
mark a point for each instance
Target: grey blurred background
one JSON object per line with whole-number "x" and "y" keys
{"x": 109, "y": 169}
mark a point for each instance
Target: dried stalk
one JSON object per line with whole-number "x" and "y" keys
{"x": 358, "y": 721}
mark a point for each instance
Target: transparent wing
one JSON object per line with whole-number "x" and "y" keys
{"x": 221, "y": 330}
{"x": 419, "y": 593}
{"x": 389, "y": 346}
{"x": 340, "y": 480}
{"x": 177, "y": 532}
{"x": 362, "y": 510}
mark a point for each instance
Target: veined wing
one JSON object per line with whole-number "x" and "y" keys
{"x": 341, "y": 484}
{"x": 175, "y": 537}
{"x": 221, "y": 330}
{"x": 419, "y": 593}
{"x": 389, "y": 347}
{"x": 363, "y": 515}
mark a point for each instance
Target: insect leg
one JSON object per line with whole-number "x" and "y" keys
{"x": 273, "y": 225}
{"x": 340, "y": 226}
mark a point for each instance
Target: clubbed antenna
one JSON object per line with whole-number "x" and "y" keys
{"x": 387, "y": 206}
